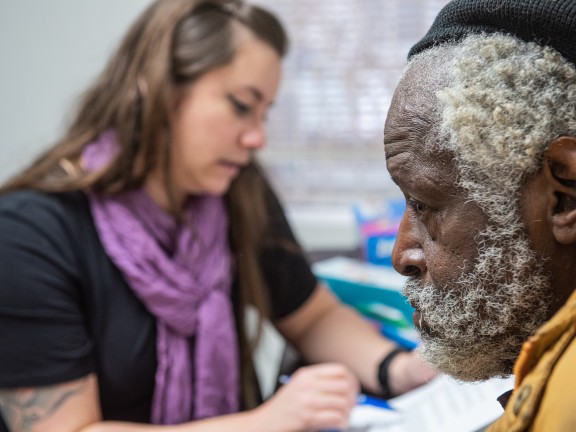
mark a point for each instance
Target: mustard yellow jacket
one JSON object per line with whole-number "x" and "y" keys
{"x": 544, "y": 396}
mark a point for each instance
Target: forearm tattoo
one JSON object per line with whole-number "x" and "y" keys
{"x": 23, "y": 409}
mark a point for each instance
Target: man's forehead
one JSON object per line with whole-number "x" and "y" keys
{"x": 416, "y": 94}
{"x": 412, "y": 165}
{"x": 411, "y": 120}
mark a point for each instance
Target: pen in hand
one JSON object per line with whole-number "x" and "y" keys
{"x": 373, "y": 401}
{"x": 362, "y": 399}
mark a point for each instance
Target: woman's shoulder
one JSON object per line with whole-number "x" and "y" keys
{"x": 30, "y": 203}
{"x": 53, "y": 215}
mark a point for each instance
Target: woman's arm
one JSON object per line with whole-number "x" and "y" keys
{"x": 324, "y": 329}
{"x": 63, "y": 407}
{"x": 317, "y": 397}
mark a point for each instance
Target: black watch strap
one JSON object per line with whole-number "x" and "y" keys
{"x": 383, "y": 371}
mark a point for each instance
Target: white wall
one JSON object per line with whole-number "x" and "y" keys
{"x": 49, "y": 52}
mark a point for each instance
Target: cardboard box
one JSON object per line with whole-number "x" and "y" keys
{"x": 378, "y": 227}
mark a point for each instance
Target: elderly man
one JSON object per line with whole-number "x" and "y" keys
{"x": 481, "y": 139}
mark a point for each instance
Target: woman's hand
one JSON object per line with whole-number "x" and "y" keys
{"x": 408, "y": 371}
{"x": 316, "y": 397}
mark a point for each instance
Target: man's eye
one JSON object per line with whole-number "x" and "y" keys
{"x": 417, "y": 206}
{"x": 241, "y": 108}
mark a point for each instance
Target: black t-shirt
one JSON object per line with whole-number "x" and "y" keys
{"x": 66, "y": 311}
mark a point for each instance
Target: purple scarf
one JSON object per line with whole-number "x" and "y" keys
{"x": 182, "y": 274}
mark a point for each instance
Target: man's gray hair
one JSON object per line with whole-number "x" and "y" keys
{"x": 502, "y": 101}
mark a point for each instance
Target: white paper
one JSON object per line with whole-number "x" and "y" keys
{"x": 443, "y": 405}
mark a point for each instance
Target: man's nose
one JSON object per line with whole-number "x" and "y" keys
{"x": 408, "y": 256}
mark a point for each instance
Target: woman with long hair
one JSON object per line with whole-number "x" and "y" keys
{"x": 132, "y": 248}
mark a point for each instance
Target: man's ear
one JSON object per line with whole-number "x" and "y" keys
{"x": 560, "y": 170}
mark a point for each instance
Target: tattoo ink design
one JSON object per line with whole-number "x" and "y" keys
{"x": 22, "y": 409}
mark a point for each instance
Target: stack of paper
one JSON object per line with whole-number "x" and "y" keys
{"x": 443, "y": 405}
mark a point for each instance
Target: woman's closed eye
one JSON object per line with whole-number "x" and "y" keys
{"x": 241, "y": 108}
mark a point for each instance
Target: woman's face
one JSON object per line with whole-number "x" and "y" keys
{"x": 218, "y": 122}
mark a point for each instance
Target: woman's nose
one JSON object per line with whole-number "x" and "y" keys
{"x": 408, "y": 256}
{"x": 255, "y": 137}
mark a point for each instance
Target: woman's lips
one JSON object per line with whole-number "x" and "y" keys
{"x": 233, "y": 168}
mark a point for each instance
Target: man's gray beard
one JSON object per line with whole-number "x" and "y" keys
{"x": 476, "y": 325}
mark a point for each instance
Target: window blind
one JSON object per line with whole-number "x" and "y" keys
{"x": 345, "y": 59}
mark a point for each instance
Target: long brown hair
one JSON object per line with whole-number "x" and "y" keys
{"x": 172, "y": 43}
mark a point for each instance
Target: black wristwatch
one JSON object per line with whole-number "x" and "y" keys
{"x": 383, "y": 371}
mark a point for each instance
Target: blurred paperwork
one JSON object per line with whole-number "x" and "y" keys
{"x": 443, "y": 405}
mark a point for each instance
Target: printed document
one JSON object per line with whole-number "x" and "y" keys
{"x": 443, "y": 405}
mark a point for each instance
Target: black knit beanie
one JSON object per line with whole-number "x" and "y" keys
{"x": 546, "y": 22}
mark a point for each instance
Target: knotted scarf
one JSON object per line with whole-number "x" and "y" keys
{"x": 182, "y": 274}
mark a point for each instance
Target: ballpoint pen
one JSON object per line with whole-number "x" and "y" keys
{"x": 373, "y": 401}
